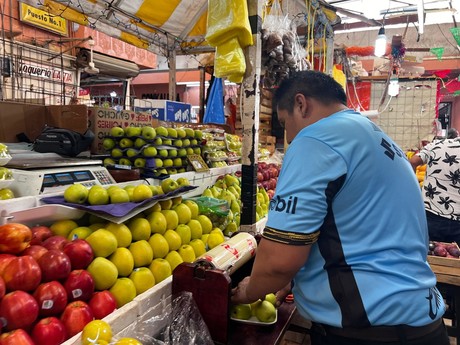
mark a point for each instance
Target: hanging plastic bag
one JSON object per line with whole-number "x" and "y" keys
{"x": 230, "y": 61}
{"x": 215, "y": 107}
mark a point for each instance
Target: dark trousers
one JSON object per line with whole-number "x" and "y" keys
{"x": 442, "y": 229}
{"x": 437, "y": 337}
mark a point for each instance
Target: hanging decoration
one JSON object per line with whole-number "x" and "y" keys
{"x": 364, "y": 51}
{"x": 456, "y": 33}
{"x": 438, "y": 52}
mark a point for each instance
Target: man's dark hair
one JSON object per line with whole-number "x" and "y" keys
{"x": 312, "y": 84}
{"x": 452, "y": 133}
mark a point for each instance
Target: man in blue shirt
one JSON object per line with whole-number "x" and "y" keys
{"x": 347, "y": 226}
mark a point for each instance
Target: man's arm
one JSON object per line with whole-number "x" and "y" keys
{"x": 274, "y": 267}
{"x": 415, "y": 161}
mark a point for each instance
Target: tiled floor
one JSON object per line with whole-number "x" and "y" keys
{"x": 293, "y": 338}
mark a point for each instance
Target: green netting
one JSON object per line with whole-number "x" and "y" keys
{"x": 456, "y": 33}
{"x": 438, "y": 52}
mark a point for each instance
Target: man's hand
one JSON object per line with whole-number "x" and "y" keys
{"x": 239, "y": 293}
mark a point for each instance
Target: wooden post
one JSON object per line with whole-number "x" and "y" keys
{"x": 172, "y": 73}
{"x": 250, "y": 119}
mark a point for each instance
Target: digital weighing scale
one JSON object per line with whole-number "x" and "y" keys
{"x": 45, "y": 174}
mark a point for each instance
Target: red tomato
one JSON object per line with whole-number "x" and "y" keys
{"x": 80, "y": 253}
{"x": 75, "y": 317}
{"x": 102, "y": 304}
{"x": 14, "y": 238}
{"x": 49, "y": 331}
{"x": 40, "y": 233}
{"x": 55, "y": 265}
{"x": 19, "y": 309}
{"x": 79, "y": 285}
{"x": 51, "y": 298}
{"x": 22, "y": 273}
{"x": 17, "y": 337}
{"x": 36, "y": 251}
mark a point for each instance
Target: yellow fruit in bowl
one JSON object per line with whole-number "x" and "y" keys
{"x": 63, "y": 227}
{"x": 161, "y": 269}
{"x": 104, "y": 273}
{"x": 96, "y": 331}
{"x": 123, "y": 260}
{"x": 241, "y": 311}
{"x": 142, "y": 253}
{"x": 103, "y": 242}
{"x": 143, "y": 279}
{"x": 124, "y": 291}
{"x": 159, "y": 245}
{"x": 266, "y": 312}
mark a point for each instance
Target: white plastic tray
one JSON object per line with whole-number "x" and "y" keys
{"x": 6, "y": 183}
{"x": 45, "y": 214}
{"x": 255, "y": 321}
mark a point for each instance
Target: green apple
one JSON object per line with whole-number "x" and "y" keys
{"x": 190, "y": 133}
{"x": 108, "y": 143}
{"x": 187, "y": 253}
{"x": 184, "y": 232}
{"x": 197, "y": 150}
{"x": 241, "y": 311}
{"x": 193, "y": 142}
{"x": 169, "y": 185}
{"x": 148, "y": 132}
{"x": 172, "y": 171}
{"x": 116, "y": 153}
{"x": 76, "y": 193}
{"x": 178, "y": 143}
{"x": 150, "y": 151}
{"x": 172, "y": 133}
{"x": 172, "y": 153}
{"x": 160, "y": 130}
{"x": 167, "y": 142}
{"x": 163, "y": 153}
{"x": 181, "y": 132}
{"x": 185, "y": 142}
{"x": 198, "y": 134}
{"x": 266, "y": 312}
{"x": 6, "y": 193}
{"x": 119, "y": 196}
{"x": 158, "y": 163}
{"x": 132, "y": 152}
{"x": 156, "y": 190}
{"x": 181, "y": 170}
{"x": 126, "y": 142}
{"x": 139, "y": 142}
{"x": 125, "y": 161}
{"x": 177, "y": 162}
{"x": 117, "y": 132}
{"x": 184, "y": 213}
{"x": 182, "y": 152}
{"x": 189, "y": 151}
{"x": 139, "y": 162}
{"x": 198, "y": 247}
{"x": 162, "y": 171}
{"x": 133, "y": 131}
{"x": 109, "y": 161}
{"x": 158, "y": 141}
{"x": 183, "y": 181}
{"x": 271, "y": 297}
{"x": 98, "y": 195}
{"x": 168, "y": 162}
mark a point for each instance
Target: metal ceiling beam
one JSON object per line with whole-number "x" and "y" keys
{"x": 390, "y": 21}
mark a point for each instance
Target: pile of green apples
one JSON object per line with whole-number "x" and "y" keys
{"x": 228, "y": 188}
{"x": 99, "y": 195}
{"x": 262, "y": 203}
{"x": 261, "y": 310}
{"x": 168, "y": 147}
{"x": 5, "y": 174}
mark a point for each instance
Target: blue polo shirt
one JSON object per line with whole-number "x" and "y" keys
{"x": 348, "y": 190}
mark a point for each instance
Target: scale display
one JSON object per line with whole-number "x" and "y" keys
{"x": 59, "y": 179}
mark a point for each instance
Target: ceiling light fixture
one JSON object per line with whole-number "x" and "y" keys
{"x": 380, "y": 43}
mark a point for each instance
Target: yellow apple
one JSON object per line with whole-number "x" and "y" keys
{"x": 142, "y": 253}
{"x": 160, "y": 246}
{"x": 161, "y": 269}
{"x": 158, "y": 222}
{"x": 174, "y": 259}
{"x": 143, "y": 279}
{"x": 123, "y": 261}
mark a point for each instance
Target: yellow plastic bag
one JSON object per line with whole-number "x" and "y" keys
{"x": 228, "y": 19}
{"x": 230, "y": 60}
{"x": 339, "y": 76}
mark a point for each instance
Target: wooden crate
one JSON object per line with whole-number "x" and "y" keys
{"x": 447, "y": 270}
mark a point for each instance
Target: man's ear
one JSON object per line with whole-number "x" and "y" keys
{"x": 301, "y": 103}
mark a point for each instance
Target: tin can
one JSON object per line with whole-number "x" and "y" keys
{"x": 231, "y": 254}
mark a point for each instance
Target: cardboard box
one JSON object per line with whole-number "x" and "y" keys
{"x": 30, "y": 119}
{"x": 101, "y": 120}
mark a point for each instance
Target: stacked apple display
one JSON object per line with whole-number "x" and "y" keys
{"x": 162, "y": 149}
{"x": 6, "y": 176}
{"x": 71, "y": 272}
{"x": 227, "y": 187}
{"x": 261, "y": 310}
{"x": 267, "y": 176}
{"x": 234, "y": 145}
